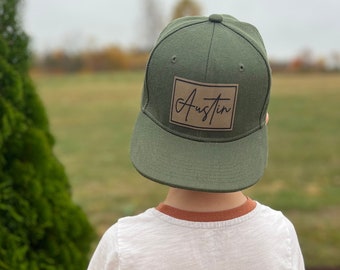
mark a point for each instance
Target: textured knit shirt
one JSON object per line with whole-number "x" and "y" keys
{"x": 252, "y": 236}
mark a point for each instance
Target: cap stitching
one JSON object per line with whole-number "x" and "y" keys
{"x": 206, "y": 140}
{"x": 217, "y": 190}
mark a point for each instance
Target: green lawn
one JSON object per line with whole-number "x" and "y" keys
{"x": 92, "y": 116}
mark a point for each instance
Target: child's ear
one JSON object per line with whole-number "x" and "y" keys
{"x": 267, "y": 118}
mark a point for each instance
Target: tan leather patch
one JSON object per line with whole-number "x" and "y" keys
{"x": 203, "y": 106}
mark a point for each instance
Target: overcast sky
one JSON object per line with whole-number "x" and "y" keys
{"x": 287, "y": 27}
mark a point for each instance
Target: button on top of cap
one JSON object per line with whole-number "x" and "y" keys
{"x": 217, "y": 18}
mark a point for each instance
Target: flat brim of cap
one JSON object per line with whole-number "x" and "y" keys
{"x": 203, "y": 166}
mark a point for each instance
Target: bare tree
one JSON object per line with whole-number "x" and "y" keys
{"x": 152, "y": 23}
{"x": 335, "y": 61}
{"x": 186, "y": 8}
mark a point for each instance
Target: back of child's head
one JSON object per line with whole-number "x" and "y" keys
{"x": 205, "y": 98}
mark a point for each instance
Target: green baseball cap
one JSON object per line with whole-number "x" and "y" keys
{"x": 205, "y": 98}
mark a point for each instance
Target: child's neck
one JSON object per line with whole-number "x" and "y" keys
{"x": 196, "y": 201}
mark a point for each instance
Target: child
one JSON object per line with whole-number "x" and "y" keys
{"x": 202, "y": 131}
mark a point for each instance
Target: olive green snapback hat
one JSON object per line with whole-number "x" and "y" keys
{"x": 204, "y": 103}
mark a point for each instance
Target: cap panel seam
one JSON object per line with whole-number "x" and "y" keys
{"x": 208, "y": 58}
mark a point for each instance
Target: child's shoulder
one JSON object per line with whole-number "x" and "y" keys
{"x": 146, "y": 218}
{"x": 271, "y": 219}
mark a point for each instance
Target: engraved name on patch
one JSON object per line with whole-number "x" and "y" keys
{"x": 203, "y": 106}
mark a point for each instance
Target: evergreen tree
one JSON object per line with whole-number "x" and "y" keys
{"x": 40, "y": 227}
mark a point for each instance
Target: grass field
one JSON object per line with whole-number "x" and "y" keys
{"x": 92, "y": 117}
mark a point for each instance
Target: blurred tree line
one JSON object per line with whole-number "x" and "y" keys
{"x": 306, "y": 61}
{"x": 106, "y": 59}
{"x": 113, "y": 58}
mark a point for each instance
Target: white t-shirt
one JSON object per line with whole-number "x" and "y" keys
{"x": 252, "y": 236}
